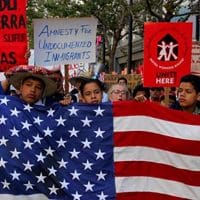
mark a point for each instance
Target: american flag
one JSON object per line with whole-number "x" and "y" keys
{"x": 70, "y": 153}
{"x": 156, "y": 154}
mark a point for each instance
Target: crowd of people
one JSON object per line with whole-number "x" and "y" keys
{"x": 36, "y": 85}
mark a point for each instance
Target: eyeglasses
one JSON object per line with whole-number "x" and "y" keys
{"x": 123, "y": 92}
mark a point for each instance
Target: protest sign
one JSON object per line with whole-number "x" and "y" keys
{"x": 65, "y": 41}
{"x": 167, "y": 53}
{"x": 195, "y": 57}
{"x": 13, "y": 33}
{"x": 133, "y": 79}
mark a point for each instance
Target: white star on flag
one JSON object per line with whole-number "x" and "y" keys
{"x": 4, "y": 101}
{"x": 28, "y": 144}
{"x": 100, "y": 154}
{"x": 28, "y": 166}
{"x": 73, "y": 111}
{"x": 2, "y": 162}
{"x": 40, "y": 178}
{"x": 26, "y": 125}
{"x": 86, "y": 122}
{"x": 75, "y": 175}
{"x": 99, "y": 111}
{"x": 14, "y": 112}
{"x": 37, "y": 120}
{"x": 64, "y": 184}
{"x": 99, "y": 133}
{"x": 3, "y": 120}
{"x": 86, "y": 143}
{"x": 87, "y": 165}
{"x": 28, "y": 107}
{"x": 61, "y": 121}
{"x": 28, "y": 185}
{"x": 102, "y": 196}
{"x": 53, "y": 189}
{"x": 37, "y": 139}
{"x": 74, "y": 153}
{"x": 61, "y": 142}
{"x": 48, "y": 132}
{"x": 62, "y": 163}
{"x": 14, "y": 132}
{"x": 89, "y": 186}
{"x": 73, "y": 132}
{"x": 76, "y": 196}
{"x": 49, "y": 151}
{"x": 15, "y": 175}
{"x": 101, "y": 175}
{"x": 40, "y": 157}
{"x": 15, "y": 153}
{"x": 5, "y": 184}
{"x": 52, "y": 171}
{"x": 3, "y": 141}
{"x": 50, "y": 112}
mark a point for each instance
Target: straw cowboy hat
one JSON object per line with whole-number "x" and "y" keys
{"x": 17, "y": 74}
{"x": 84, "y": 76}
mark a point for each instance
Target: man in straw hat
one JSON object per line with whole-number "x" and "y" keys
{"x": 33, "y": 83}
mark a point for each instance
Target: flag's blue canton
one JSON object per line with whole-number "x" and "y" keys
{"x": 62, "y": 152}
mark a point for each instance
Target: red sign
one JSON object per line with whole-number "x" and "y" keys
{"x": 167, "y": 53}
{"x": 13, "y": 33}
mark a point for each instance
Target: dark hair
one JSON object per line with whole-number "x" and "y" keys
{"x": 157, "y": 88}
{"x": 122, "y": 78}
{"x": 141, "y": 88}
{"x": 193, "y": 79}
{"x": 97, "y": 81}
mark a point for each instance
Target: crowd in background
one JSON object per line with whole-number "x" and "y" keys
{"x": 44, "y": 87}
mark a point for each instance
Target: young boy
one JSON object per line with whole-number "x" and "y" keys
{"x": 32, "y": 83}
{"x": 188, "y": 94}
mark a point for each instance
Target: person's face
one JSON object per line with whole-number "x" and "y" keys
{"x": 187, "y": 95}
{"x": 118, "y": 93}
{"x": 92, "y": 94}
{"x": 155, "y": 93}
{"x": 31, "y": 90}
{"x": 122, "y": 82}
{"x": 140, "y": 93}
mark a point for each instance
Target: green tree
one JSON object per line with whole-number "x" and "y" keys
{"x": 168, "y": 10}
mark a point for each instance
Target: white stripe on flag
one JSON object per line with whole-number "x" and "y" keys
{"x": 149, "y": 184}
{"x": 148, "y": 154}
{"x": 159, "y": 126}
{"x": 23, "y": 197}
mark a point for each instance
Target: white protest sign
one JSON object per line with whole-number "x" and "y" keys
{"x": 195, "y": 69}
{"x": 65, "y": 41}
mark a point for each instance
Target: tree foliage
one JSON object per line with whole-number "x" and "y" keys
{"x": 168, "y": 10}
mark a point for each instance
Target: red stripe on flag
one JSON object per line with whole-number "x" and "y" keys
{"x": 145, "y": 196}
{"x": 139, "y": 168}
{"x": 153, "y": 110}
{"x": 137, "y": 138}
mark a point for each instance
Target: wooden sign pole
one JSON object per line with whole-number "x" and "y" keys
{"x": 66, "y": 79}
